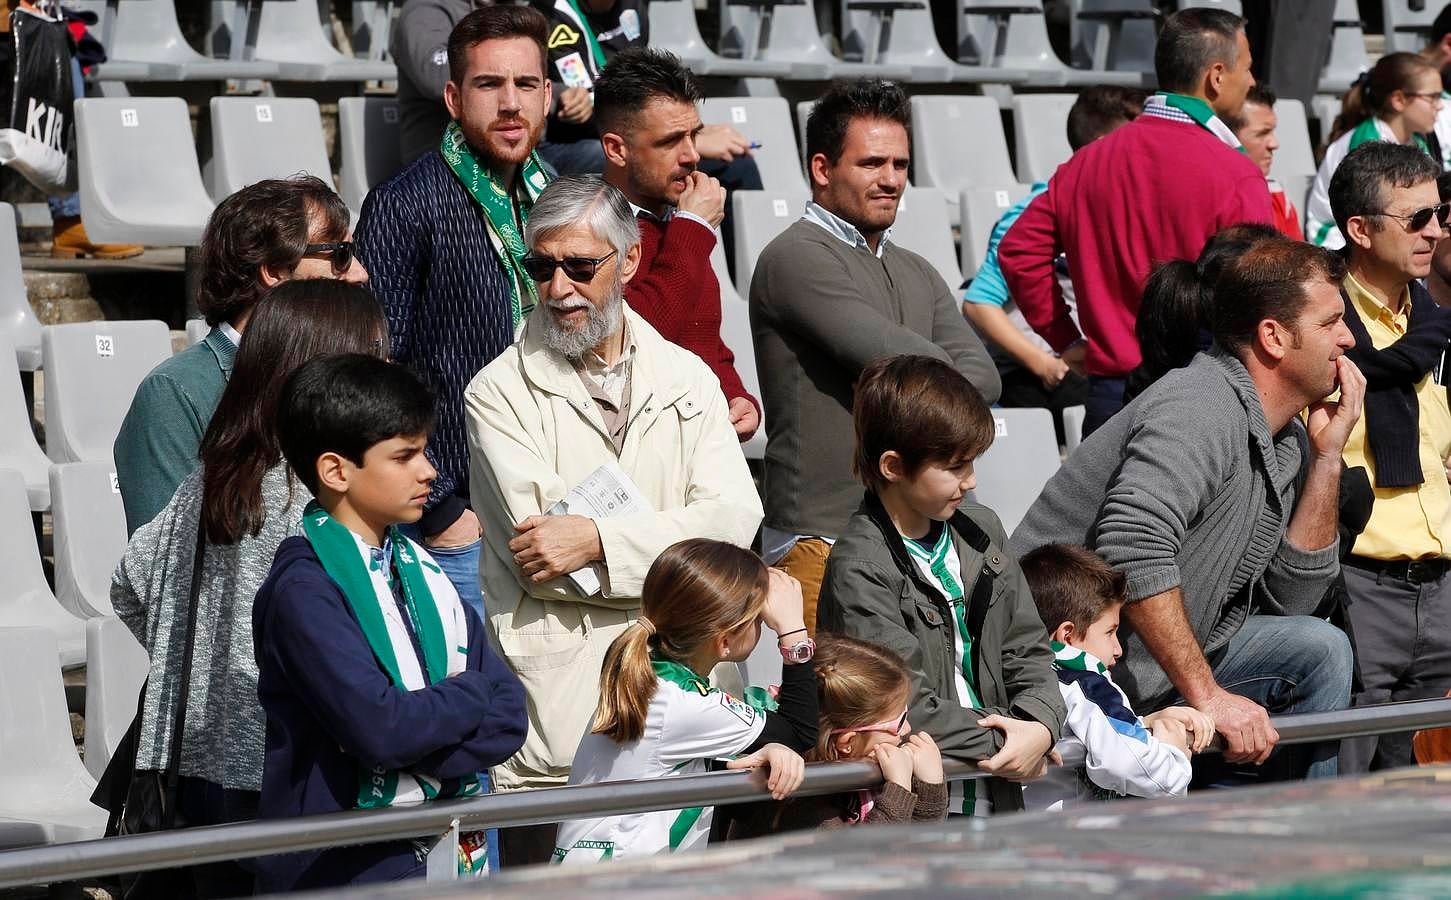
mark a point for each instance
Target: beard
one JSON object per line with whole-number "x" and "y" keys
{"x": 492, "y": 150}
{"x": 600, "y": 322}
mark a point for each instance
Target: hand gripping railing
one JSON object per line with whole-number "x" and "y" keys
{"x": 218, "y": 843}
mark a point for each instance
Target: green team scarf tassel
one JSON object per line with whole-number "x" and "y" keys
{"x": 495, "y": 198}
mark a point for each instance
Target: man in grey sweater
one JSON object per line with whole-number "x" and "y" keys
{"x": 1219, "y": 506}
{"x": 420, "y": 47}
{"x": 830, "y": 295}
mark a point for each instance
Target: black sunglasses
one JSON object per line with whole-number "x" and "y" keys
{"x": 340, "y": 254}
{"x": 1422, "y": 217}
{"x": 581, "y": 269}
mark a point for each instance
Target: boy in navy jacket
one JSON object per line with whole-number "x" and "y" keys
{"x": 378, "y": 684}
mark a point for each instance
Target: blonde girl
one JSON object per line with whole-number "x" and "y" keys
{"x": 703, "y": 603}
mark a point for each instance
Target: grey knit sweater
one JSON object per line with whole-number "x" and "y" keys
{"x": 225, "y": 726}
{"x": 1187, "y": 488}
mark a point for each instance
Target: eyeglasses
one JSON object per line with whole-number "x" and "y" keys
{"x": 1422, "y": 217}
{"x": 893, "y": 728}
{"x": 1429, "y": 95}
{"x": 576, "y": 268}
{"x": 340, "y": 254}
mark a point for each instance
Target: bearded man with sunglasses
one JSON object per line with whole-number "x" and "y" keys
{"x": 1386, "y": 203}
{"x": 589, "y": 384}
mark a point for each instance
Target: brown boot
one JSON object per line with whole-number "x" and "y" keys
{"x": 70, "y": 241}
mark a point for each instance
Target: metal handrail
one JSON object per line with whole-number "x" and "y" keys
{"x": 219, "y": 843}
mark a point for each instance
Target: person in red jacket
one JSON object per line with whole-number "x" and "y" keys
{"x": 1255, "y": 127}
{"x": 645, "y": 108}
{"x": 1155, "y": 189}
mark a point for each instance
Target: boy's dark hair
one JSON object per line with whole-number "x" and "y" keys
{"x": 346, "y": 404}
{"x": 1363, "y": 180}
{"x": 493, "y": 23}
{"x": 922, "y": 408}
{"x": 637, "y": 77}
{"x": 1100, "y": 109}
{"x": 1193, "y": 40}
{"x": 1071, "y": 584}
{"x": 847, "y": 100}
{"x": 263, "y": 224}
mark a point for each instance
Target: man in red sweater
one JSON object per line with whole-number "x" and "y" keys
{"x": 1154, "y": 190}
{"x": 645, "y": 108}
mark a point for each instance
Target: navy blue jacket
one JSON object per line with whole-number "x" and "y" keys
{"x": 425, "y": 243}
{"x": 331, "y": 710}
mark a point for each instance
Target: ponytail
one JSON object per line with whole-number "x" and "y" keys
{"x": 695, "y": 592}
{"x": 856, "y": 681}
{"x": 1370, "y": 95}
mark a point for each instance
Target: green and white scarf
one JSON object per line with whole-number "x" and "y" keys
{"x": 1066, "y": 656}
{"x": 570, "y": 9}
{"x": 1196, "y": 110}
{"x": 497, "y": 201}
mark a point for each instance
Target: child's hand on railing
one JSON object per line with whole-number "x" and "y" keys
{"x": 895, "y": 763}
{"x": 787, "y": 768}
{"x": 926, "y": 758}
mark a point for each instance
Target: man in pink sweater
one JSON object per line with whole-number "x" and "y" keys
{"x": 1154, "y": 190}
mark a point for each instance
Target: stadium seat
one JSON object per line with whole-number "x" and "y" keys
{"x": 42, "y": 782}
{"x": 762, "y": 666}
{"x": 90, "y": 535}
{"x": 17, "y": 318}
{"x": 116, "y": 668}
{"x": 92, "y": 370}
{"x": 144, "y": 42}
{"x": 139, "y": 177}
{"x": 26, "y": 600}
{"x": 1408, "y": 24}
{"x": 368, "y": 147}
{"x": 20, "y": 451}
{"x": 1023, "y": 456}
{"x": 254, "y": 138}
{"x": 1113, "y": 35}
{"x": 922, "y": 227}
{"x": 291, "y": 34}
{"x": 196, "y": 331}
{"x": 673, "y": 27}
{"x": 767, "y": 121}
{"x": 735, "y": 331}
{"x": 1040, "y": 134}
{"x": 785, "y": 31}
{"x": 901, "y": 33}
{"x": 1326, "y": 108}
{"x": 981, "y": 210}
{"x": 373, "y": 27}
{"x": 943, "y": 128}
{"x": 758, "y": 217}
{"x": 1015, "y": 36}
{"x": 1347, "y": 57}
{"x": 1073, "y": 418}
{"x": 1294, "y": 162}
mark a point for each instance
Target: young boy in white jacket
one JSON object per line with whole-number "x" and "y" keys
{"x": 1108, "y": 751}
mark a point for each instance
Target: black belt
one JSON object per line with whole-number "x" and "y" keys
{"x": 1416, "y": 571}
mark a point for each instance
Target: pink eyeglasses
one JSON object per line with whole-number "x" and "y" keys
{"x": 897, "y": 728}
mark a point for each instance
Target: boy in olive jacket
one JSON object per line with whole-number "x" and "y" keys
{"x": 921, "y": 573}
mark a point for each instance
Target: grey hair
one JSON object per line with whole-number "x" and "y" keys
{"x": 572, "y": 199}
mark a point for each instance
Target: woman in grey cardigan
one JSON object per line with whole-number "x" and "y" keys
{"x": 247, "y": 502}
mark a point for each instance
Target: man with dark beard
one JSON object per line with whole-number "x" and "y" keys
{"x": 589, "y": 385}
{"x": 443, "y": 241}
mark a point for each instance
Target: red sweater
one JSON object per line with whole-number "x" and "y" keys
{"x": 676, "y": 291}
{"x": 1151, "y": 191}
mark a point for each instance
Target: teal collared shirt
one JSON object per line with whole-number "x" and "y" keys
{"x": 160, "y": 437}
{"x": 843, "y": 230}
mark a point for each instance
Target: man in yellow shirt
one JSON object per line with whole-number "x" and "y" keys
{"x": 1385, "y": 201}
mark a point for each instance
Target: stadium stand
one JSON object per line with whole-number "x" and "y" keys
{"x": 900, "y": 33}
{"x": 735, "y": 330}
{"x": 1015, "y": 36}
{"x": 1022, "y": 458}
{"x": 784, "y": 32}
{"x": 1408, "y": 24}
{"x": 27, "y": 601}
{"x": 1113, "y": 35}
{"x": 254, "y": 138}
{"x": 941, "y": 126}
{"x": 290, "y": 34}
{"x": 116, "y": 667}
{"x": 91, "y": 373}
{"x": 980, "y": 210}
{"x": 1294, "y": 163}
{"x": 922, "y": 227}
{"x": 1073, "y": 427}
{"x": 17, "y": 319}
{"x": 673, "y": 27}
{"x": 20, "y": 452}
{"x": 372, "y": 27}
{"x": 90, "y": 535}
{"x": 765, "y": 121}
{"x": 368, "y": 148}
{"x": 1040, "y": 133}
{"x": 759, "y": 217}
{"x": 1347, "y": 57}
{"x": 144, "y": 42}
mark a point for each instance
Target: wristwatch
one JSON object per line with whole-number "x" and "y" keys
{"x": 799, "y": 652}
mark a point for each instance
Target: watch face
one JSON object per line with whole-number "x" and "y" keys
{"x": 800, "y": 653}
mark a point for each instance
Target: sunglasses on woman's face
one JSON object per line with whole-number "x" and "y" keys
{"x": 579, "y": 269}
{"x": 1422, "y": 217}
{"x": 339, "y": 254}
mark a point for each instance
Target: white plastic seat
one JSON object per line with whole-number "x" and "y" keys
{"x": 1113, "y": 35}
{"x": 17, "y": 319}
{"x": 92, "y": 370}
{"x": 735, "y": 331}
{"x": 196, "y": 331}
{"x": 1023, "y": 456}
{"x": 42, "y": 781}
{"x": 1073, "y": 417}
{"x": 785, "y": 31}
{"x": 767, "y": 121}
{"x": 369, "y": 149}
{"x": 1013, "y": 34}
{"x": 255, "y": 138}
{"x": 116, "y": 667}
{"x": 144, "y": 42}
{"x": 20, "y": 451}
{"x": 139, "y": 178}
{"x": 90, "y": 535}
{"x": 922, "y": 227}
{"x": 958, "y": 142}
{"x": 673, "y": 27}
{"x": 291, "y": 34}
{"x": 901, "y": 33}
{"x": 981, "y": 208}
{"x": 1040, "y": 134}
{"x": 759, "y": 216}
{"x": 25, "y": 599}
{"x": 373, "y": 22}
{"x": 1346, "y": 58}
{"x": 1296, "y": 156}
{"x": 1408, "y": 24}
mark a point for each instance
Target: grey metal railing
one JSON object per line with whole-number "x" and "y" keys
{"x": 445, "y": 819}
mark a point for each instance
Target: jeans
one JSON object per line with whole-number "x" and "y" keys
{"x": 1105, "y": 397}
{"x": 1291, "y": 664}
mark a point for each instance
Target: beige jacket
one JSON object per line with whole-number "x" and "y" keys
{"x": 534, "y": 433}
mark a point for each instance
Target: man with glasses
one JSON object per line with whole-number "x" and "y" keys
{"x": 591, "y": 394}
{"x": 1386, "y": 203}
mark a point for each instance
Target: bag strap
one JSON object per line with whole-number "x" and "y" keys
{"x": 173, "y": 766}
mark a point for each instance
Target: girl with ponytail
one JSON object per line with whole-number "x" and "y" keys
{"x": 1397, "y": 100}
{"x": 703, "y": 603}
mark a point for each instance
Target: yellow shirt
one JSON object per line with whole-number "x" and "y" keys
{"x": 1406, "y": 522}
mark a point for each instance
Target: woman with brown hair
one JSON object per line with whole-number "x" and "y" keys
{"x": 235, "y": 510}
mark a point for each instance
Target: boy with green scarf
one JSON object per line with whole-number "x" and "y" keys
{"x": 377, "y": 682}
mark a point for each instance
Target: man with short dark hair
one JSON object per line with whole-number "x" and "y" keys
{"x": 1386, "y": 203}
{"x": 444, "y": 239}
{"x": 645, "y": 105}
{"x": 1255, "y": 127}
{"x": 1154, "y": 190}
{"x": 1219, "y": 506}
{"x": 829, "y": 295}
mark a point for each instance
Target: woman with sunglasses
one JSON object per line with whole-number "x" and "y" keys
{"x": 703, "y": 604}
{"x": 1397, "y": 101}
{"x": 863, "y": 691}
